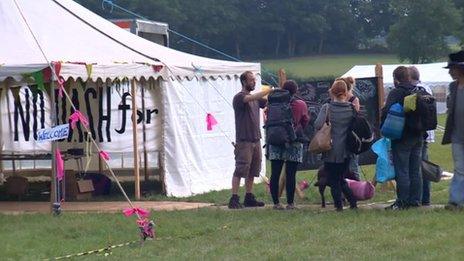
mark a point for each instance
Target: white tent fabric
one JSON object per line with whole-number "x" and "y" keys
{"x": 429, "y": 73}
{"x": 433, "y": 75}
{"x": 195, "y": 160}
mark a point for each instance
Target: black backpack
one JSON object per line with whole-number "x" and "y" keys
{"x": 279, "y": 124}
{"x": 360, "y": 135}
{"x": 424, "y": 118}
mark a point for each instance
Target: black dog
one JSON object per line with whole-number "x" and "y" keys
{"x": 323, "y": 181}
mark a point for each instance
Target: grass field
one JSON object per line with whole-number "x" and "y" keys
{"x": 325, "y": 66}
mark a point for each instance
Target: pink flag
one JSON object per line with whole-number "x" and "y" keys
{"x": 78, "y": 116}
{"x": 140, "y": 211}
{"x": 61, "y": 82}
{"x": 59, "y": 165}
{"x": 104, "y": 155}
{"x": 210, "y": 121}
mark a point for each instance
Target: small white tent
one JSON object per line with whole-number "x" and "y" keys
{"x": 183, "y": 89}
{"x": 432, "y": 74}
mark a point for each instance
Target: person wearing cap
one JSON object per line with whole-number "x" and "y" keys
{"x": 430, "y": 136}
{"x": 454, "y": 129}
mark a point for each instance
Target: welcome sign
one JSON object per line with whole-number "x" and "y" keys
{"x": 55, "y": 133}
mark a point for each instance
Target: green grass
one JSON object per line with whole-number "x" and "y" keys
{"x": 327, "y": 65}
{"x": 215, "y": 234}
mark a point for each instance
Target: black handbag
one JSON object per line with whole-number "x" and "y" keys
{"x": 431, "y": 171}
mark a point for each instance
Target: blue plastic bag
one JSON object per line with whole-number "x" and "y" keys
{"x": 384, "y": 169}
{"x": 393, "y": 125}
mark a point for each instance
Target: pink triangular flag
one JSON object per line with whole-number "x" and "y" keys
{"x": 59, "y": 165}
{"x": 78, "y": 116}
{"x": 210, "y": 121}
{"x": 104, "y": 155}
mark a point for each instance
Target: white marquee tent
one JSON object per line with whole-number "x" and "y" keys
{"x": 432, "y": 74}
{"x": 181, "y": 88}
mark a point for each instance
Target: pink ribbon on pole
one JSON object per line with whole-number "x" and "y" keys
{"x": 78, "y": 116}
{"x": 104, "y": 155}
{"x": 59, "y": 165}
{"x": 61, "y": 86}
{"x": 210, "y": 121}
{"x": 143, "y": 213}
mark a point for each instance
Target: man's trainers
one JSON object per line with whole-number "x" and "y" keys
{"x": 250, "y": 201}
{"x": 234, "y": 202}
{"x": 278, "y": 206}
{"x": 395, "y": 206}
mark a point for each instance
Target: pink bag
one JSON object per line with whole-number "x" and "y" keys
{"x": 362, "y": 190}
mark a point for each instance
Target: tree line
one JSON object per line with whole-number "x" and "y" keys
{"x": 417, "y": 31}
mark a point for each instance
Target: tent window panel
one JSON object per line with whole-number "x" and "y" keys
{"x": 152, "y": 160}
{"x": 43, "y": 164}
{"x": 26, "y": 164}
{"x": 8, "y": 165}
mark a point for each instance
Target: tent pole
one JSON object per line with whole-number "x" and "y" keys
{"x": 134, "y": 133}
{"x": 162, "y": 153}
{"x": 144, "y": 137}
{"x": 2, "y": 88}
{"x": 54, "y": 201}
{"x": 13, "y": 162}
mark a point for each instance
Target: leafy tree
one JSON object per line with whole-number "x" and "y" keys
{"x": 419, "y": 34}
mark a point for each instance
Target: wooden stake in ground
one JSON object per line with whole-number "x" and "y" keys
{"x": 389, "y": 185}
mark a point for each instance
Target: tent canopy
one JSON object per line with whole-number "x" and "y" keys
{"x": 429, "y": 73}
{"x": 67, "y": 32}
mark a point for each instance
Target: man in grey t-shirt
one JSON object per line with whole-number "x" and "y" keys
{"x": 248, "y": 154}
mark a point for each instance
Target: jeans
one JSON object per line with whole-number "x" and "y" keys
{"x": 338, "y": 184}
{"x": 457, "y": 183}
{"x": 425, "y": 183}
{"x": 407, "y": 160}
{"x": 354, "y": 166}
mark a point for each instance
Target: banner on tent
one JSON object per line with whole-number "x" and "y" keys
{"x": 26, "y": 113}
{"x": 315, "y": 94}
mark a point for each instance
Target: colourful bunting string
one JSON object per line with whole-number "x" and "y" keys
{"x": 78, "y": 116}
{"x": 210, "y": 121}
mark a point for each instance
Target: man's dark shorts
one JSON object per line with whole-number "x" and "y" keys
{"x": 248, "y": 157}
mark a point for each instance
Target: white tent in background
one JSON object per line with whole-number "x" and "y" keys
{"x": 432, "y": 74}
{"x": 96, "y": 56}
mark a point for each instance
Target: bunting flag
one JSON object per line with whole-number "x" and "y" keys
{"x": 210, "y": 121}
{"x": 39, "y": 79}
{"x": 104, "y": 155}
{"x": 59, "y": 165}
{"x": 78, "y": 116}
{"x": 89, "y": 68}
{"x": 157, "y": 68}
{"x": 61, "y": 86}
{"x": 143, "y": 213}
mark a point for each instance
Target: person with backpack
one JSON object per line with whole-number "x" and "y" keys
{"x": 287, "y": 117}
{"x": 339, "y": 114}
{"x": 429, "y": 137}
{"x": 454, "y": 130}
{"x": 248, "y": 151}
{"x": 407, "y": 150}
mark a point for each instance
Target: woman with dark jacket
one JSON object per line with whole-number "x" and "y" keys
{"x": 339, "y": 113}
{"x": 454, "y": 130}
{"x": 290, "y": 154}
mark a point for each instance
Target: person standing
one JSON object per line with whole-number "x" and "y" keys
{"x": 406, "y": 151}
{"x": 430, "y": 136}
{"x": 454, "y": 130}
{"x": 291, "y": 153}
{"x": 339, "y": 113}
{"x": 248, "y": 152}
